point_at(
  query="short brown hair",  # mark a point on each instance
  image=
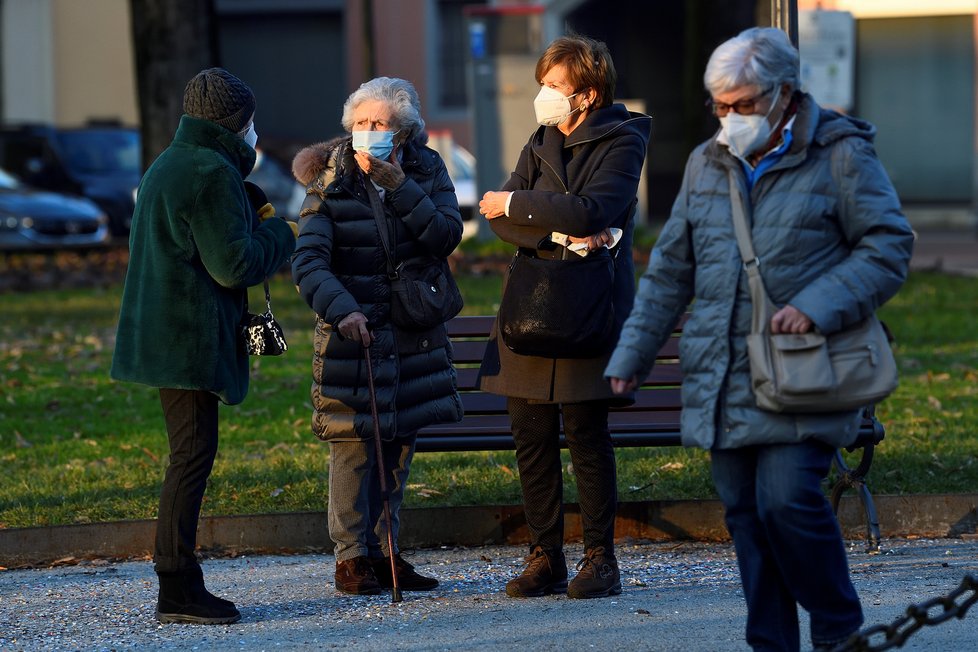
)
(588, 65)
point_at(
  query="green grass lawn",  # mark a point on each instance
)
(77, 447)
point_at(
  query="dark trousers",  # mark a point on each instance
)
(789, 546)
(191, 424)
(536, 432)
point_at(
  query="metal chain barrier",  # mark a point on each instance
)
(930, 612)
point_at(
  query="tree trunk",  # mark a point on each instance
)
(173, 40)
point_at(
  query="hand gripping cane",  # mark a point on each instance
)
(396, 589)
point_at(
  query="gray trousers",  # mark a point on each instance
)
(356, 508)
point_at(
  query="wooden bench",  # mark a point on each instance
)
(653, 420)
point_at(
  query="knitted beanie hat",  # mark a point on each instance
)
(217, 95)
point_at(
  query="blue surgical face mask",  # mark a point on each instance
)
(378, 144)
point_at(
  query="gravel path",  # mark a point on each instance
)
(677, 596)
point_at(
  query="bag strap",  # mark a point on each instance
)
(763, 308)
(268, 297)
(377, 206)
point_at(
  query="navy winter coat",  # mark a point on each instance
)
(340, 267)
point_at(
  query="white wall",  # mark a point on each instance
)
(67, 61)
(93, 61)
(26, 54)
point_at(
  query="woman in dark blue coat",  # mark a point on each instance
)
(340, 268)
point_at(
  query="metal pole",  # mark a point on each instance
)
(784, 16)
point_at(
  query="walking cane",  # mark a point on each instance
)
(396, 589)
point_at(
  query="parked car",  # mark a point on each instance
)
(100, 161)
(461, 168)
(283, 191)
(38, 220)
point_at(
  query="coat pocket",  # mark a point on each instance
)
(802, 362)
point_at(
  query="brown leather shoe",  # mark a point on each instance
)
(545, 573)
(597, 576)
(408, 579)
(356, 576)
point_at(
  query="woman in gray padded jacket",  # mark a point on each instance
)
(833, 246)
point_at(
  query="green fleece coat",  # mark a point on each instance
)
(195, 247)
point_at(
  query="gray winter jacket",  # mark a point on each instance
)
(832, 242)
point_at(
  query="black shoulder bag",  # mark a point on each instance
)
(559, 308)
(423, 291)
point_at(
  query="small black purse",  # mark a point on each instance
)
(423, 291)
(424, 294)
(262, 334)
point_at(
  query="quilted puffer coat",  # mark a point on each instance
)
(340, 267)
(832, 242)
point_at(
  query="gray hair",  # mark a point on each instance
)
(759, 56)
(402, 99)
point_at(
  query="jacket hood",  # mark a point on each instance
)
(614, 119)
(312, 161)
(833, 126)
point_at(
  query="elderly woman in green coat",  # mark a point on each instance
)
(196, 245)
(832, 246)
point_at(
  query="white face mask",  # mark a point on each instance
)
(552, 107)
(378, 144)
(745, 133)
(251, 136)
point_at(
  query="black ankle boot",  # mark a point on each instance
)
(184, 599)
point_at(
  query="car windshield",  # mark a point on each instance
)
(101, 151)
(464, 164)
(8, 182)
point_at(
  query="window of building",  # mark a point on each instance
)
(453, 41)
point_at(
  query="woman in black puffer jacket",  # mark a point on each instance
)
(340, 269)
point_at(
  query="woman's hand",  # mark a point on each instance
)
(386, 174)
(790, 320)
(595, 241)
(622, 386)
(493, 204)
(354, 327)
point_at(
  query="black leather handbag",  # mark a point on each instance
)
(559, 308)
(423, 291)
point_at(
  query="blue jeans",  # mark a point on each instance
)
(789, 546)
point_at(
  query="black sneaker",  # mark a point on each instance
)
(597, 576)
(408, 579)
(545, 573)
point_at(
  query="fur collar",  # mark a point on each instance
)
(315, 161)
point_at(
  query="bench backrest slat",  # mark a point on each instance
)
(653, 420)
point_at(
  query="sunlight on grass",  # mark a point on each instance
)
(77, 447)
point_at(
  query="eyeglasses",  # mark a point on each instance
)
(743, 107)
